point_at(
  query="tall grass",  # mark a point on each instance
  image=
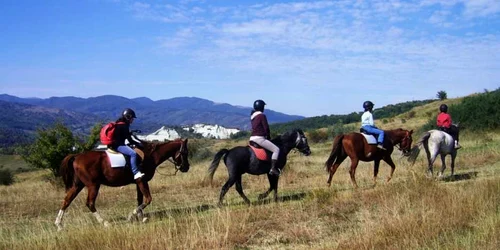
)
(410, 212)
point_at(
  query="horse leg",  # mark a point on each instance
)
(70, 196)
(140, 200)
(272, 180)
(239, 188)
(430, 159)
(352, 171)
(453, 156)
(376, 165)
(333, 169)
(389, 161)
(443, 166)
(229, 183)
(91, 197)
(143, 188)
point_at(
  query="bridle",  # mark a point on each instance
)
(300, 140)
(181, 153)
(400, 144)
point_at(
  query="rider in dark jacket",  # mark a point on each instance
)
(122, 133)
(262, 135)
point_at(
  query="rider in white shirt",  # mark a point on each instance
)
(368, 125)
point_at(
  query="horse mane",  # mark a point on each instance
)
(281, 140)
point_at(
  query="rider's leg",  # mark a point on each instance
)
(133, 160)
(379, 132)
(273, 148)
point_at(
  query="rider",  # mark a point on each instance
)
(368, 125)
(261, 133)
(444, 124)
(122, 132)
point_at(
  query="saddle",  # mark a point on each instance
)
(260, 152)
(117, 159)
(370, 138)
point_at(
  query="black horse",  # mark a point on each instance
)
(242, 159)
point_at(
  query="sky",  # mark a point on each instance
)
(305, 58)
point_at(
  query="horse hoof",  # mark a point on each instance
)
(145, 219)
(59, 228)
(106, 224)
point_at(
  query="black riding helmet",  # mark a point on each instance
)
(368, 105)
(128, 114)
(443, 108)
(259, 105)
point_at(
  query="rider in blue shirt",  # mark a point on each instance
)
(368, 125)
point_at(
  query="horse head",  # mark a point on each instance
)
(297, 139)
(177, 150)
(404, 140)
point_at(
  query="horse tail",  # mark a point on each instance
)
(336, 150)
(415, 150)
(67, 171)
(215, 164)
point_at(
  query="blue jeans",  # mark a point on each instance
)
(375, 130)
(126, 150)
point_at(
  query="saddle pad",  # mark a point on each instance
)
(370, 138)
(116, 159)
(260, 153)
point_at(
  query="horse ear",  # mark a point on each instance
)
(411, 131)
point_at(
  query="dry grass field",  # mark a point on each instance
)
(409, 212)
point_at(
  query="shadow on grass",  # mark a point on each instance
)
(171, 212)
(460, 177)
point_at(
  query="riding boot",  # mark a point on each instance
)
(457, 146)
(274, 171)
(380, 146)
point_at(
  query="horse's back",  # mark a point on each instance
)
(440, 141)
(90, 158)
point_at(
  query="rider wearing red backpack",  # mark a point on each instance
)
(122, 133)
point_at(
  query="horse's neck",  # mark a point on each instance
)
(159, 154)
(394, 136)
(284, 147)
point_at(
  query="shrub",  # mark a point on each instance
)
(55, 143)
(478, 112)
(317, 136)
(6, 176)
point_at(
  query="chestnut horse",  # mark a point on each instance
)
(356, 147)
(92, 169)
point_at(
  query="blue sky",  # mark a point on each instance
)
(302, 57)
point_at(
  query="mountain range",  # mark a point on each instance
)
(25, 115)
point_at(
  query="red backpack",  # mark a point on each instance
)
(107, 133)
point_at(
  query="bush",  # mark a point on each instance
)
(199, 149)
(411, 114)
(317, 136)
(53, 144)
(6, 176)
(478, 112)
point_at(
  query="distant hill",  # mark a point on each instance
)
(324, 121)
(21, 117)
(154, 114)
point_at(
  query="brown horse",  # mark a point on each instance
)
(93, 169)
(356, 147)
